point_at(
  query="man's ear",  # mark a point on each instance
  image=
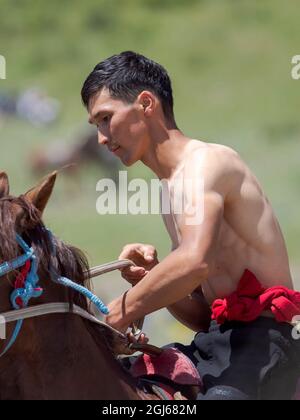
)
(40, 194)
(4, 185)
(147, 101)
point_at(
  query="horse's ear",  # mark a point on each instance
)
(4, 185)
(40, 194)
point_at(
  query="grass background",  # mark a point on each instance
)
(230, 63)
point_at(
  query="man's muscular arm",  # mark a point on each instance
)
(183, 270)
(178, 275)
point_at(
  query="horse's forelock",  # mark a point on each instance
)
(8, 244)
(16, 215)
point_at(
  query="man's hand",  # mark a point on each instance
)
(122, 346)
(145, 258)
(115, 319)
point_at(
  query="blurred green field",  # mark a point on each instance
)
(230, 63)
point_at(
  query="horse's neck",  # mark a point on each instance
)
(59, 359)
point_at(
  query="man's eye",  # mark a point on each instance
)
(104, 120)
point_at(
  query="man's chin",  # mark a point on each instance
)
(129, 161)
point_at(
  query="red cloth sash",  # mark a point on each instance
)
(251, 299)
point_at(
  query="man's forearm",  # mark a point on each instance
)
(178, 275)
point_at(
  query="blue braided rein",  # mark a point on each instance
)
(69, 283)
(84, 291)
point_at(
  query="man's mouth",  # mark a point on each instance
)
(114, 149)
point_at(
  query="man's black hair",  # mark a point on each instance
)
(127, 74)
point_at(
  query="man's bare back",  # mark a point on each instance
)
(249, 236)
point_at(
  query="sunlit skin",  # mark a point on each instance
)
(126, 129)
(139, 130)
(239, 230)
(120, 127)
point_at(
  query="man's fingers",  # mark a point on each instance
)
(139, 253)
(131, 251)
(143, 256)
(134, 278)
(134, 272)
(143, 339)
(149, 252)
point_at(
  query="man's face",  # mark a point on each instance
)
(121, 126)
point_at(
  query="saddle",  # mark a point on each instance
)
(170, 375)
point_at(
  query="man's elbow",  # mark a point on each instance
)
(197, 265)
(201, 269)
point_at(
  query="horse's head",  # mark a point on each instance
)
(21, 219)
(67, 357)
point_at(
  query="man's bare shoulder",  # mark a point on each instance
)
(250, 227)
(219, 165)
(215, 154)
(220, 155)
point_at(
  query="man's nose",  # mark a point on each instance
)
(102, 139)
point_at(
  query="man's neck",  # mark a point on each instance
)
(166, 151)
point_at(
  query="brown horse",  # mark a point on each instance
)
(58, 356)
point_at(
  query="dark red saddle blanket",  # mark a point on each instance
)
(171, 364)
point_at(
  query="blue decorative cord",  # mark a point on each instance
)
(69, 283)
(84, 291)
(18, 262)
(29, 290)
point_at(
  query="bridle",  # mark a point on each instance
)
(22, 295)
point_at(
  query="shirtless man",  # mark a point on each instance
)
(129, 99)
